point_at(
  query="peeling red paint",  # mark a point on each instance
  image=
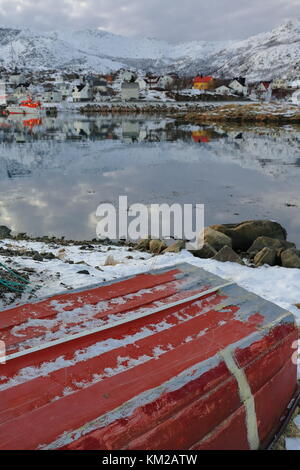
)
(156, 382)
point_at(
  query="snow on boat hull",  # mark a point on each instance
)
(171, 359)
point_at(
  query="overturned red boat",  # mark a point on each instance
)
(175, 358)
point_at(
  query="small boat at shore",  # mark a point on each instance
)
(26, 107)
(174, 358)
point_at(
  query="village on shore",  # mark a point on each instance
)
(53, 88)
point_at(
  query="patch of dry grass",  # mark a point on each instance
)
(253, 112)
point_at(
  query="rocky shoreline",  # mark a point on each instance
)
(253, 243)
(193, 112)
(140, 108)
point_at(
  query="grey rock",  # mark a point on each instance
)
(37, 257)
(207, 251)
(227, 254)
(84, 271)
(4, 232)
(143, 244)
(176, 247)
(49, 256)
(216, 239)
(267, 242)
(265, 256)
(157, 246)
(290, 258)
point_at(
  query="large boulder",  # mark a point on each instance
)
(267, 242)
(266, 256)
(216, 239)
(245, 233)
(227, 254)
(290, 258)
(4, 232)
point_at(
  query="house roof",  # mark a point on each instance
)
(132, 85)
(206, 79)
(80, 87)
(266, 84)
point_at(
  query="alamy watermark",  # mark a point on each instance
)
(156, 221)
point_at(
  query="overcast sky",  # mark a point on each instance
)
(174, 20)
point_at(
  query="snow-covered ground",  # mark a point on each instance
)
(277, 284)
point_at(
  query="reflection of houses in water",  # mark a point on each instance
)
(201, 136)
(96, 129)
(83, 128)
(205, 136)
(130, 131)
(142, 131)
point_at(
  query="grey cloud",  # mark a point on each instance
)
(173, 20)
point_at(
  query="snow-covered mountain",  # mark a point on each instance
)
(263, 56)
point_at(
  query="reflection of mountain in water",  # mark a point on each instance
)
(273, 152)
(102, 143)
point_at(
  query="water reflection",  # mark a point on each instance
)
(54, 172)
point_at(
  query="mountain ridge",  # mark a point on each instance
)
(264, 56)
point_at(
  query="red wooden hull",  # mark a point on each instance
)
(171, 359)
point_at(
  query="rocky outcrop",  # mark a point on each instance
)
(257, 242)
(244, 234)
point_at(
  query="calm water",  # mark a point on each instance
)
(55, 172)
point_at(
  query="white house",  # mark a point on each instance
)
(81, 93)
(223, 90)
(64, 89)
(238, 88)
(130, 91)
(264, 90)
(279, 83)
(142, 83)
(16, 78)
(21, 91)
(53, 96)
(165, 81)
(295, 83)
(296, 97)
(101, 96)
(264, 86)
(128, 76)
